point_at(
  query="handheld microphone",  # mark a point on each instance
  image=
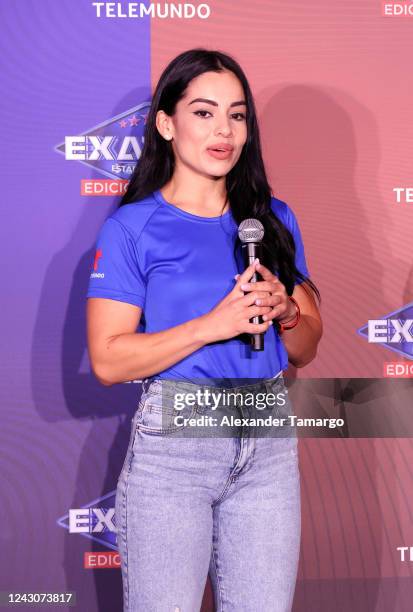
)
(251, 233)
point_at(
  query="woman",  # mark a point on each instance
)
(223, 502)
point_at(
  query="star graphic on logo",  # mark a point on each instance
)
(123, 124)
(134, 120)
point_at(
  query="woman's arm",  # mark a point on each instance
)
(119, 354)
(301, 341)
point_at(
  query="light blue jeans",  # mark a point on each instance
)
(191, 504)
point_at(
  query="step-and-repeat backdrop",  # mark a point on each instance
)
(333, 87)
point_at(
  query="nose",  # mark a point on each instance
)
(223, 127)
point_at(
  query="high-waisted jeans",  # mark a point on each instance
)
(189, 505)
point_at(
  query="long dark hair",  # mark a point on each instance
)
(248, 190)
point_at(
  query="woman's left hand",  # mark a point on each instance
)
(282, 308)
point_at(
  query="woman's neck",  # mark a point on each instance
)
(197, 203)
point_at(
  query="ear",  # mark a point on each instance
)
(164, 124)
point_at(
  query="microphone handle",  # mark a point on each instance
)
(252, 250)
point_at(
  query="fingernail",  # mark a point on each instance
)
(236, 276)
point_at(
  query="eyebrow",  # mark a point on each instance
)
(216, 103)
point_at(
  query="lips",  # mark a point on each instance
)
(221, 147)
(220, 154)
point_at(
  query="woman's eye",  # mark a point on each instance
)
(201, 111)
(240, 116)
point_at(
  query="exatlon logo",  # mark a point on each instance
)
(393, 331)
(96, 522)
(112, 148)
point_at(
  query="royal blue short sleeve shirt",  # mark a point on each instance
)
(177, 266)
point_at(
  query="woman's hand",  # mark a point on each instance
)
(281, 308)
(231, 316)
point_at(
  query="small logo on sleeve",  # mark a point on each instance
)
(95, 274)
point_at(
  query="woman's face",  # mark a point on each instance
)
(218, 120)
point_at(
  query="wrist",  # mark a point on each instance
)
(286, 324)
(203, 330)
(290, 314)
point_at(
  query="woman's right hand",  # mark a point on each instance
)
(231, 316)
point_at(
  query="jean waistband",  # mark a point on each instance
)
(169, 386)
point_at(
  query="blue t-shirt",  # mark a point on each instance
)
(177, 266)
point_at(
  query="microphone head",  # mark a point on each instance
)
(251, 230)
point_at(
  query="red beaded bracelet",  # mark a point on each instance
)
(294, 322)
